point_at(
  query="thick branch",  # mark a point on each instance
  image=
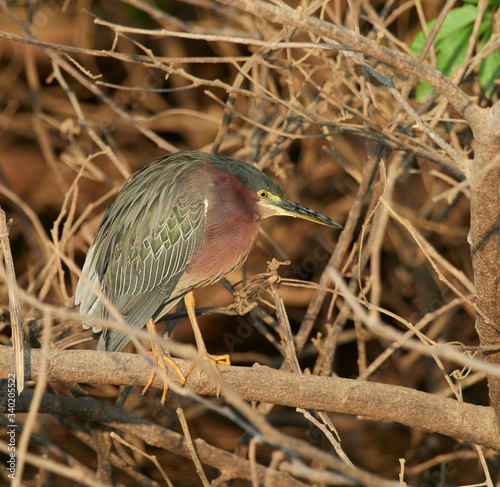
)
(89, 409)
(378, 401)
(484, 238)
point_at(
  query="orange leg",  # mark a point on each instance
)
(200, 344)
(161, 359)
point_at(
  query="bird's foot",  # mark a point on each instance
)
(162, 361)
(213, 360)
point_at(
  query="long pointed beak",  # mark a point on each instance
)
(290, 208)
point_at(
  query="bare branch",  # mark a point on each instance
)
(377, 401)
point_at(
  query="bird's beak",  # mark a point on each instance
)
(290, 208)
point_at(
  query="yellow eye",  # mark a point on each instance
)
(263, 194)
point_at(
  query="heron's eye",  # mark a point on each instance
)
(263, 194)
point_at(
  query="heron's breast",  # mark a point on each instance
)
(230, 228)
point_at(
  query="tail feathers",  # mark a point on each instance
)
(136, 311)
(86, 295)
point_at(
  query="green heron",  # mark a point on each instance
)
(182, 222)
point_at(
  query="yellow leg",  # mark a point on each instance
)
(200, 344)
(161, 359)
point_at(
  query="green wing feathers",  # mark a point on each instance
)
(144, 243)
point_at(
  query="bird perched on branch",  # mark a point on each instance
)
(183, 221)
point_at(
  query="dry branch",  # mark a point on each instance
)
(373, 400)
(299, 19)
(230, 465)
(92, 410)
(9, 276)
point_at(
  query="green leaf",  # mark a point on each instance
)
(489, 71)
(424, 91)
(451, 51)
(457, 20)
(491, 3)
(419, 41)
(451, 45)
(455, 30)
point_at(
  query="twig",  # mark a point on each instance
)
(190, 445)
(288, 343)
(335, 443)
(60, 62)
(34, 406)
(86, 477)
(252, 457)
(456, 97)
(345, 239)
(16, 318)
(298, 469)
(252, 41)
(461, 161)
(152, 458)
(420, 325)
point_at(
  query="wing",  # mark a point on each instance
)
(144, 243)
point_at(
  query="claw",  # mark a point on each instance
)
(213, 360)
(162, 362)
(161, 359)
